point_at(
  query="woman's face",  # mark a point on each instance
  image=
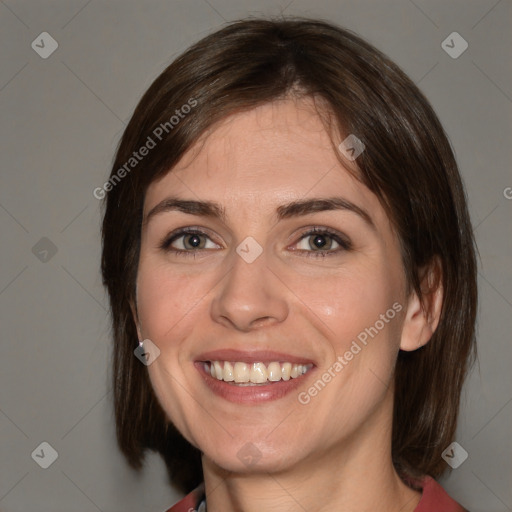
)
(285, 260)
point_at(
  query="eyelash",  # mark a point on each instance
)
(344, 243)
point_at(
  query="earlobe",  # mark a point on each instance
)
(423, 314)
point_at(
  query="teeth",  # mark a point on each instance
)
(274, 372)
(227, 373)
(254, 373)
(241, 373)
(258, 373)
(218, 368)
(286, 369)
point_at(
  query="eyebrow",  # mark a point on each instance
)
(293, 209)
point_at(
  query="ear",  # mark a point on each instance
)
(423, 313)
(133, 307)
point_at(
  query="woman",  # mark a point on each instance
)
(288, 253)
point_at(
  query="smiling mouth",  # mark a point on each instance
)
(251, 374)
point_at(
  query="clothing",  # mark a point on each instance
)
(434, 499)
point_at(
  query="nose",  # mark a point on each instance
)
(250, 296)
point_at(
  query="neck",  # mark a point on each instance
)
(356, 474)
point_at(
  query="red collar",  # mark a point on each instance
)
(435, 499)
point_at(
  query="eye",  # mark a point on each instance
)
(188, 241)
(317, 242)
(322, 242)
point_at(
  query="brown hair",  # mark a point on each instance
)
(407, 163)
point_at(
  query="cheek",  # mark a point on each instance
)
(361, 315)
(167, 304)
(165, 298)
(349, 304)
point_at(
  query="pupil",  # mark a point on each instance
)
(319, 241)
(194, 241)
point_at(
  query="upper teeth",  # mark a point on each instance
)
(256, 373)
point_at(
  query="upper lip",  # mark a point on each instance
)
(252, 356)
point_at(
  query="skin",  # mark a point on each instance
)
(333, 453)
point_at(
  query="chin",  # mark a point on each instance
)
(246, 457)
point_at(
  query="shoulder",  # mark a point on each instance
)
(190, 502)
(435, 499)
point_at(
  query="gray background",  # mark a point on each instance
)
(61, 119)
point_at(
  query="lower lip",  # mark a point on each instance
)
(250, 394)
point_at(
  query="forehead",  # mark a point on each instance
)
(261, 158)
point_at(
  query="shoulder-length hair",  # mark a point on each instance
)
(408, 163)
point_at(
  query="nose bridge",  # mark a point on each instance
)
(249, 294)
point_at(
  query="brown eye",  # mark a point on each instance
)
(188, 240)
(193, 241)
(322, 242)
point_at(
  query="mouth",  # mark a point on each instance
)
(255, 374)
(252, 377)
